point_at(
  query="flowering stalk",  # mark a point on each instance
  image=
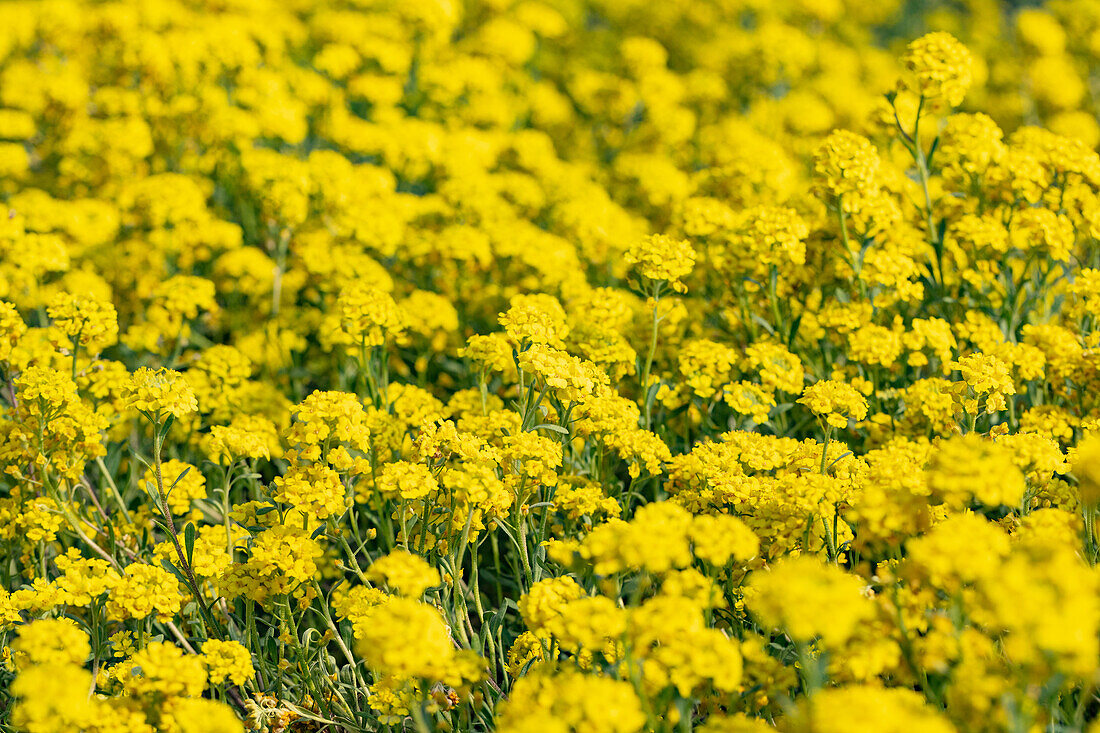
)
(160, 430)
(647, 392)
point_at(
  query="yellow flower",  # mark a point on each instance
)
(163, 670)
(572, 379)
(973, 468)
(406, 638)
(12, 329)
(656, 539)
(369, 316)
(84, 320)
(315, 490)
(406, 481)
(144, 590)
(535, 319)
(159, 393)
(200, 715)
(331, 420)
(51, 642)
(1086, 469)
(662, 258)
(571, 701)
(546, 599)
(717, 539)
(53, 697)
(404, 572)
(530, 457)
(940, 68)
(985, 376)
(837, 402)
(845, 165)
(808, 599)
(227, 661)
(866, 709)
(245, 437)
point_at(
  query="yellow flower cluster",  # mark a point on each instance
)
(160, 393)
(794, 594)
(941, 68)
(227, 661)
(404, 572)
(661, 258)
(369, 316)
(161, 685)
(582, 367)
(837, 402)
(84, 321)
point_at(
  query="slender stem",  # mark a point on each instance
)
(162, 504)
(460, 549)
(923, 173)
(335, 532)
(74, 522)
(114, 488)
(812, 677)
(830, 540)
(421, 722)
(76, 352)
(650, 354)
(225, 512)
(280, 264)
(773, 296)
(855, 257)
(336, 633)
(521, 530)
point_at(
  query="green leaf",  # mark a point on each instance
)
(551, 426)
(794, 329)
(189, 541)
(764, 324)
(179, 478)
(173, 570)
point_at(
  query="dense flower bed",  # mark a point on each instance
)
(549, 366)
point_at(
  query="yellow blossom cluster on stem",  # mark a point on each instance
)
(551, 366)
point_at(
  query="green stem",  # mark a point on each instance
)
(225, 512)
(162, 504)
(648, 403)
(114, 488)
(773, 297)
(923, 173)
(857, 264)
(76, 352)
(419, 719)
(521, 530)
